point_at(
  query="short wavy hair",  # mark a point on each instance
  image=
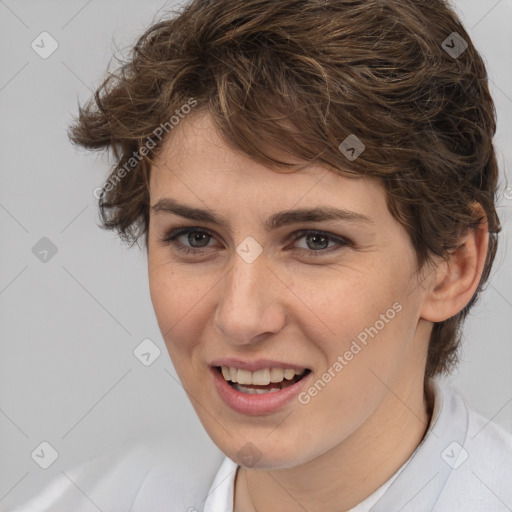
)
(301, 76)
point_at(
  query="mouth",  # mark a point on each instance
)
(267, 380)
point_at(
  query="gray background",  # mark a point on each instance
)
(69, 325)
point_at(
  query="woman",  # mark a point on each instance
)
(314, 182)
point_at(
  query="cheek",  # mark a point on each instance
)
(181, 308)
(338, 308)
(160, 285)
(170, 300)
(366, 319)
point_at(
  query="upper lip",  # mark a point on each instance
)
(254, 366)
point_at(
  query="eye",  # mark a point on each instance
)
(198, 239)
(318, 242)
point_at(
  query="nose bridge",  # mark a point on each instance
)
(247, 305)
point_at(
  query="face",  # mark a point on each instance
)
(326, 304)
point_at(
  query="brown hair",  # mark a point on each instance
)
(301, 76)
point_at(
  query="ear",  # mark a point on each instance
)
(457, 278)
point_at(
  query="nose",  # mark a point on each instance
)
(249, 306)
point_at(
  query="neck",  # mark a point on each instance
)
(348, 473)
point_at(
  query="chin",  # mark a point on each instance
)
(259, 451)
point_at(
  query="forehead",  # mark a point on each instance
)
(197, 165)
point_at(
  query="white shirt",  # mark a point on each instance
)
(464, 463)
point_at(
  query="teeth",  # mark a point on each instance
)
(260, 377)
(244, 377)
(254, 391)
(289, 374)
(276, 375)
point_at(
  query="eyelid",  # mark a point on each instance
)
(303, 232)
(176, 232)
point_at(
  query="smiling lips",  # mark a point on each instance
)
(266, 380)
(259, 387)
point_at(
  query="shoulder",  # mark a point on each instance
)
(481, 468)
(149, 475)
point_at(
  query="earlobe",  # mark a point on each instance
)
(456, 279)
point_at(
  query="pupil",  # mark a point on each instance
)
(198, 237)
(315, 239)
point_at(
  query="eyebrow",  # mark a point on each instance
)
(275, 221)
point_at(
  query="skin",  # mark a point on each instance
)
(303, 307)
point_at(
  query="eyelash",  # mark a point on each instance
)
(170, 239)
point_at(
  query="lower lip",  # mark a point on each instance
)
(254, 405)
